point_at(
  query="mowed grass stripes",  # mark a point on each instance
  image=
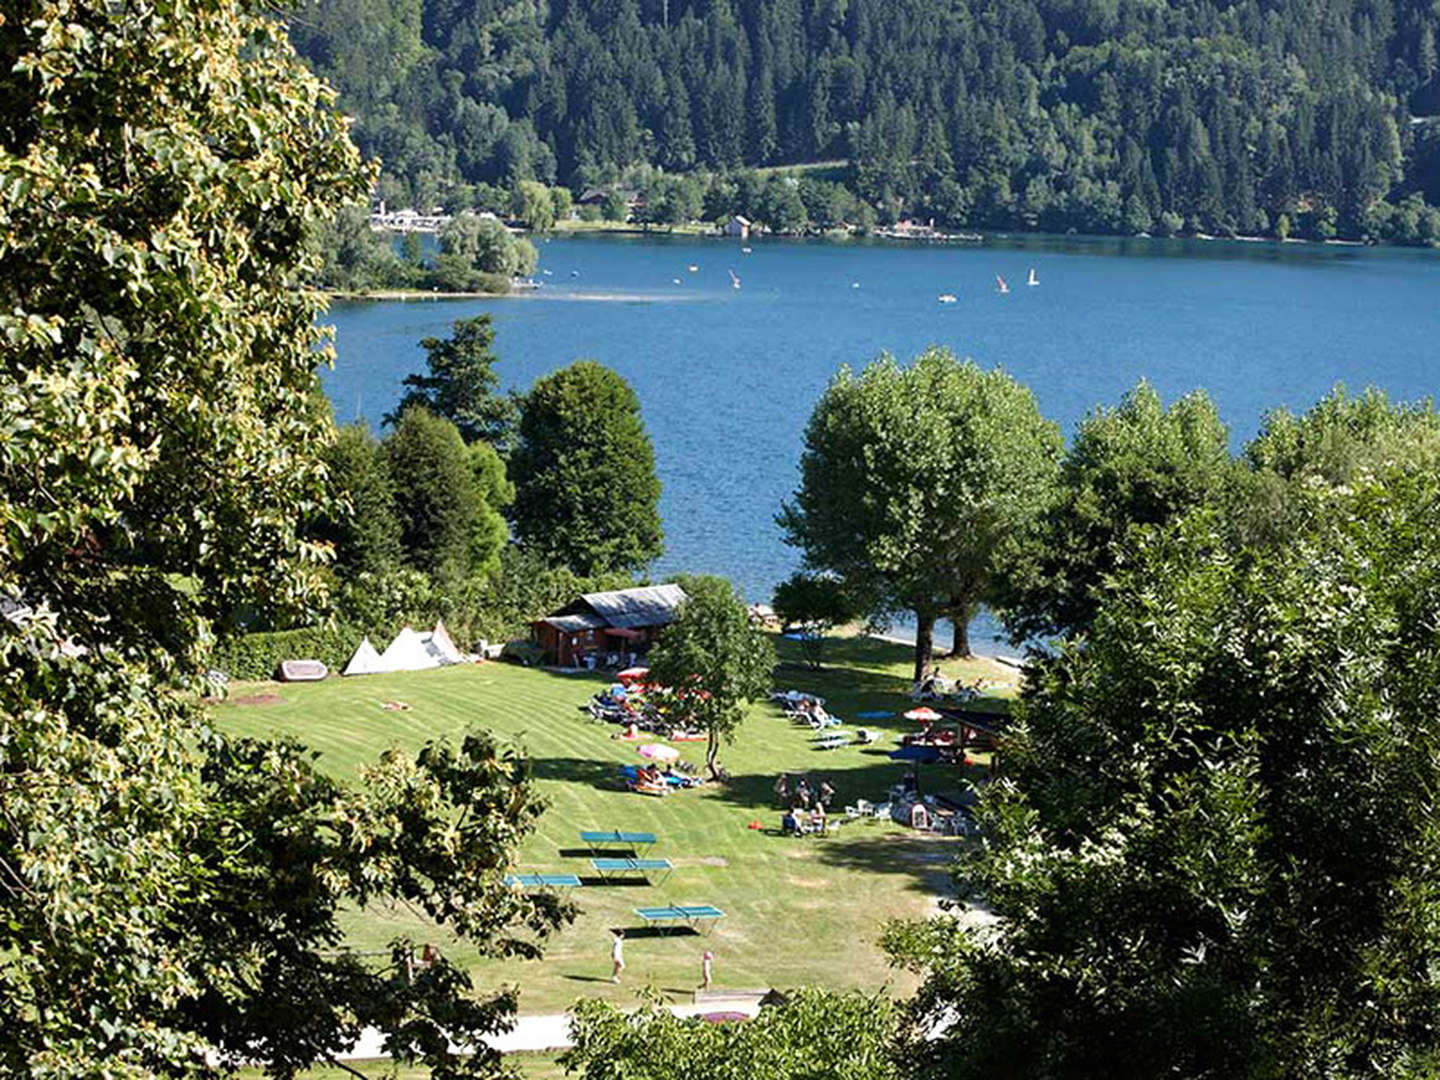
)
(797, 911)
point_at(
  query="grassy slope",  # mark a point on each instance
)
(798, 911)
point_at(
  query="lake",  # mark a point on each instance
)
(727, 377)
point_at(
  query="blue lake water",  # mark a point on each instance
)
(727, 377)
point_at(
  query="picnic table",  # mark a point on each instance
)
(692, 915)
(543, 881)
(599, 839)
(621, 867)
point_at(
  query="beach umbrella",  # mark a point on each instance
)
(916, 753)
(658, 752)
(924, 714)
(633, 674)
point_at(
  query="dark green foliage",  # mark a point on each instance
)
(1136, 465)
(913, 479)
(811, 1034)
(292, 845)
(256, 656)
(586, 494)
(365, 531)
(436, 497)
(713, 662)
(461, 386)
(1025, 114)
(355, 257)
(486, 246)
(1213, 851)
(170, 898)
(816, 604)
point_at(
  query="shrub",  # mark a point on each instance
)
(256, 656)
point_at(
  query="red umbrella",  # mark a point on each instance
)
(924, 714)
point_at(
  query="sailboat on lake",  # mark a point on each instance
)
(734, 280)
(1000, 285)
(1033, 280)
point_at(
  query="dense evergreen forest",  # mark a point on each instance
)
(1261, 116)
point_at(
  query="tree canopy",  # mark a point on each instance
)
(911, 479)
(436, 495)
(1217, 118)
(484, 244)
(462, 385)
(1135, 465)
(362, 525)
(712, 661)
(1210, 850)
(586, 493)
(811, 1033)
(170, 896)
(817, 604)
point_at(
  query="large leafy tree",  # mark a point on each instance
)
(586, 493)
(1340, 438)
(462, 386)
(1136, 465)
(817, 604)
(812, 1033)
(911, 480)
(168, 897)
(1212, 851)
(714, 662)
(486, 245)
(362, 526)
(437, 497)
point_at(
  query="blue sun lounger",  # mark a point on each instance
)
(543, 881)
(644, 867)
(692, 915)
(597, 840)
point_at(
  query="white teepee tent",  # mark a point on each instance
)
(408, 652)
(366, 660)
(442, 646)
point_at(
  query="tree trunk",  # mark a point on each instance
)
(712, 749)
(960, 646)
(924, 644)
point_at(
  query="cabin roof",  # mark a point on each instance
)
(648, 605)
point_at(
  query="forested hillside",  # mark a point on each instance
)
(1128, 116)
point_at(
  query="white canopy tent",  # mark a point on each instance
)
(366, 660)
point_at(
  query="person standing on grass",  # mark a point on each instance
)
(617, 955)
(705, 958)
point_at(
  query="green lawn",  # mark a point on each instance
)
(798, 911)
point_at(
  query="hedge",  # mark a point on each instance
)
(256, 656)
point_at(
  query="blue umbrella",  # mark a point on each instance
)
(916, 753)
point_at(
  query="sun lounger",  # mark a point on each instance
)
(543, 881)
(692, 915)
(608, 868)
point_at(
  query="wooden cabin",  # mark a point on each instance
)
(615, 628)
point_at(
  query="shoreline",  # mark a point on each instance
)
(893, 639)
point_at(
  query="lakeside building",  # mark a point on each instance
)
(614, 627)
